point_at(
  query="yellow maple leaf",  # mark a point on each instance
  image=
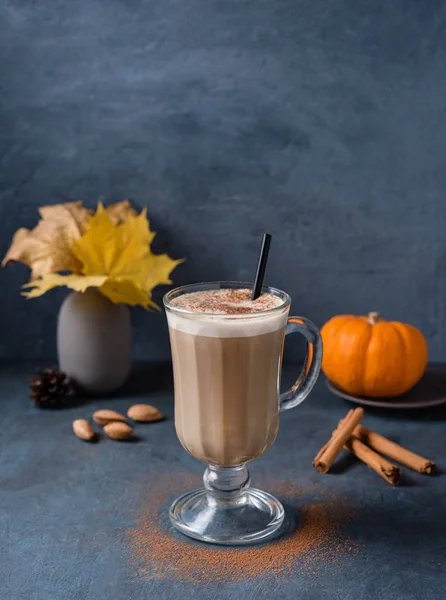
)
(119, 251)
(161, 266)
(116, 259)
(48, 248)
(125, 291)
(79, 283)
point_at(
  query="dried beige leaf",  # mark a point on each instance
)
(104, 416)
(72, 217)
(45, 249)
(119, 212)
(17, 251)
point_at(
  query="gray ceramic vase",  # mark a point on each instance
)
(94, 341)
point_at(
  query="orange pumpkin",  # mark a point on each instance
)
(367, 356)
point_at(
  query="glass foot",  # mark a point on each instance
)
(244, 518)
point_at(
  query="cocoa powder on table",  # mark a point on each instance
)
(157, 551)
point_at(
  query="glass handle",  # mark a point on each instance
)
(312, 365)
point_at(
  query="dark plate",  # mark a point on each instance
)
(430, 391)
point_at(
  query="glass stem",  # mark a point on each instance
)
(226, 483)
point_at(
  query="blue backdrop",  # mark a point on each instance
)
(320, 122)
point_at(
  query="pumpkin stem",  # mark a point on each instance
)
(373, 318)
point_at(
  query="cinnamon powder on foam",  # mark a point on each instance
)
(227, 301)
(157, 551)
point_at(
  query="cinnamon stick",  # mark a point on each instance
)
(394, 451)
(327, 455)
(391, 473)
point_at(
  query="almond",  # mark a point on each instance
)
(104, 416)
(83, 430)
(144, 413)
(118, 430)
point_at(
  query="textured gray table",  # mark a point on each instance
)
(67, 507)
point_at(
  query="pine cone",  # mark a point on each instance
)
(50, 388)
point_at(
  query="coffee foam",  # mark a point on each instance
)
(216, 307)
(210, 326)
(227, 301)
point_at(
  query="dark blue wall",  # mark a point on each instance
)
(322, 122)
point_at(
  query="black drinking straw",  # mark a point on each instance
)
(261, 266)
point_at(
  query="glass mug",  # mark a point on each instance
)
(227, 401)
